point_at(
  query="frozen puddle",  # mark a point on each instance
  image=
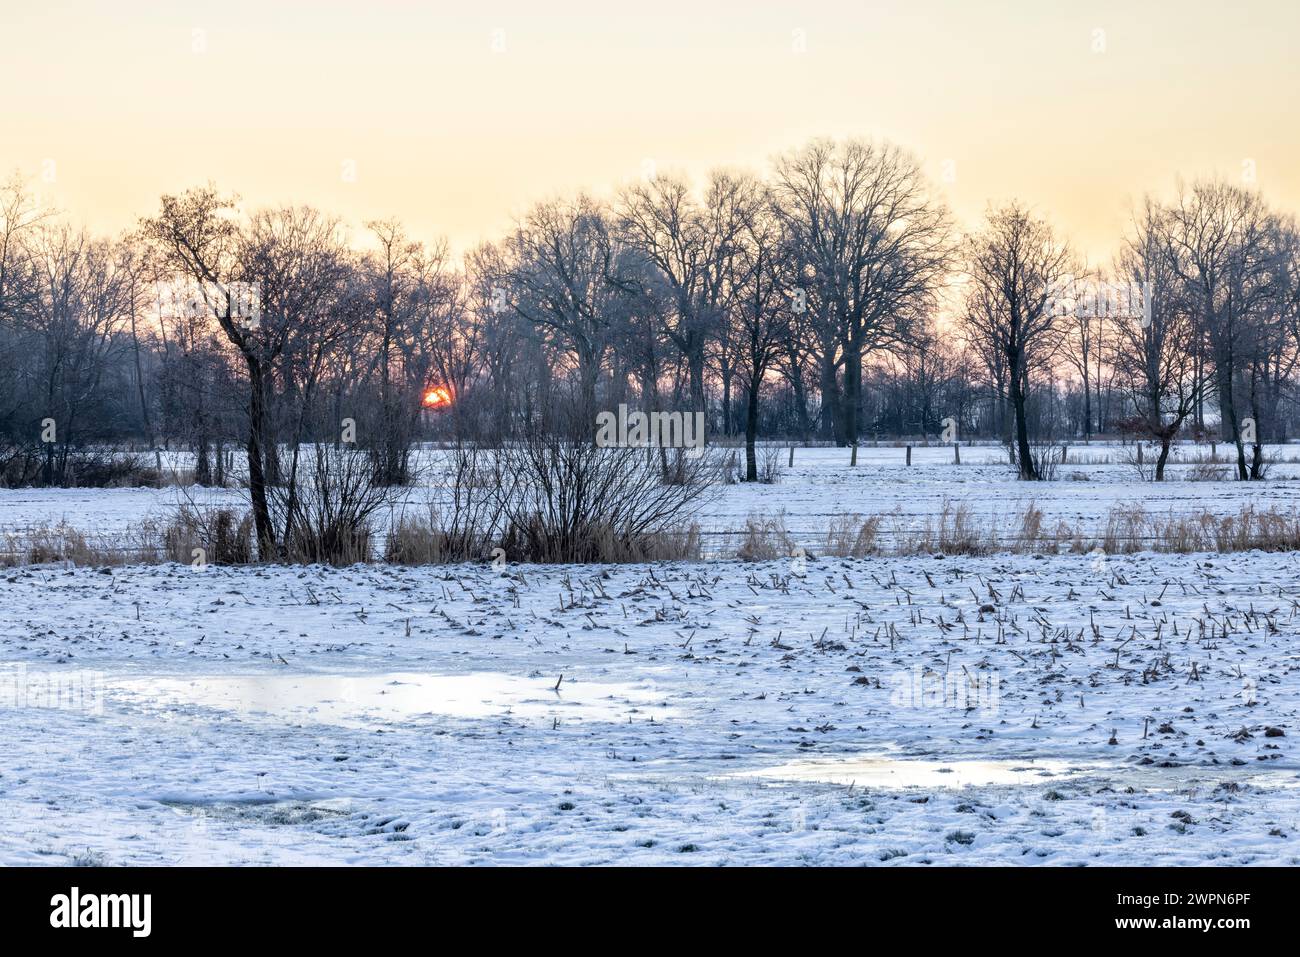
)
(887, 772)
(367, 700)
(891, 772)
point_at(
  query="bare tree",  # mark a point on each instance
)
(1157, 334)
(1013, 265)
(501, 340)
(564, 280)
(296, 259)
(19, 213)
(454, 343)
(1081, 347)
(76, 307)
(761, 314)
(694, 245)
(410, 289)
(871, 245)
(197, 234)
(1220, 238)
(805, 305)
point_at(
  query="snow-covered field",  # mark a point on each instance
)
(710, 713)
(820, 486)
(896, 711)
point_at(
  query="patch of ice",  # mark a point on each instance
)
(888, 772)
(366, 700)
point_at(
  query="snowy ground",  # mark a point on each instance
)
(864, 711)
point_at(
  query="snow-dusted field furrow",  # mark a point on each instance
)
(896, 711)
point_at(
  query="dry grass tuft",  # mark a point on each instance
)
(764, 540)
(852, 536)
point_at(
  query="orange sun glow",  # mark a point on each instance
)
(437, 397)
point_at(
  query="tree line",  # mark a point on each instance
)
(832, 299)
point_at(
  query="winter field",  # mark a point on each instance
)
(1046, 709)
(1094, 480)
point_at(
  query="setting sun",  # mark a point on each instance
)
(437, 397)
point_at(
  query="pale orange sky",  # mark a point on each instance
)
(121, 101)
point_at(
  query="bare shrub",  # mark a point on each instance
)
(421, 540)
(95, 468)
(681, 542)
(852, 536)
(1142, 465)
(225, 536)
(769, 464)
(1265, 463)
(1046, 459)
(569, 501)
(1275, 531)
(20, 464)
(954, 531)
(1071, 538)
(1199, 456)
(1030, 532)
(1232, 533)
(1127, 529)
(1247, 529)
(764, 540)
(685, 467)
(24, 465)
(1207, 472)
(730, 469)
(327, 510)
(61, 542)
(1183, 533)
(534, 540)
(561, 500)
(462, 525)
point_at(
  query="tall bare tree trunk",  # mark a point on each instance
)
(1028, 470)
(266, 545)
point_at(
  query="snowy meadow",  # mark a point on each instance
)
(1060, 704)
